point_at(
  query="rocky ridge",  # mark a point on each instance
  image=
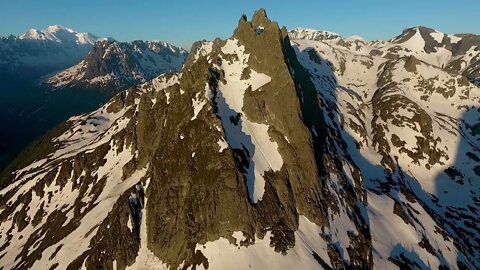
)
(116, 65)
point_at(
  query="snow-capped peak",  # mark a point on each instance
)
(58, 33)
(354, 38)
(34, 34)
(158, 45)
(419, 30)
(56, 28)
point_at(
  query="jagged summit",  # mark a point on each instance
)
(260, 17)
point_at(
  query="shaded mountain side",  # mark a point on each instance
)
(30, 108)
(440, 224)
(29, 111)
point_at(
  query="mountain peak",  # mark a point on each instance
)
(56, 28)
(419, 28)
(61, 34)
(354, 38)
(424, 30)
(260, 17)
(260, 13)
(32, 34)
(260, 23)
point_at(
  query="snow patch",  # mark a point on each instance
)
(198, 103)
(263, 152)
(223, 255)
(223, 145)
(437, 36)
(129, 223)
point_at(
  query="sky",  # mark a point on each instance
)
(183, 22)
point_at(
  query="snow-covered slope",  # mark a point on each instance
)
(454, 53)
(458, 53)
(116, 65)
(411, 127)
(44, 51)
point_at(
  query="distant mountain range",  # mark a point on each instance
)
(39, 52)
(34, 65)
(458, 53)
(85, 60)
(116, 65)
(60, 34)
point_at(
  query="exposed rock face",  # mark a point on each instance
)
(259, 153)
(115, 65)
